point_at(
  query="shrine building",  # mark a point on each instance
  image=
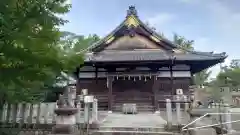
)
(134, 64)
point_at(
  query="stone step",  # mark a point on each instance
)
(137, 103)
(137, 99)
(139, 108)
(120, 128)
(129, 130)
(100, 132)
(133, 102)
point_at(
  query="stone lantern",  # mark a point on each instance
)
(65, 111)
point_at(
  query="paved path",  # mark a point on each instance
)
(129, 120)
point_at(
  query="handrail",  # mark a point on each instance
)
(184, 127)
(212, 125)
(194, 121)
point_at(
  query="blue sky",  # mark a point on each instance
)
(214, 25)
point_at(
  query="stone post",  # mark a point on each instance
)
(169, 113)
(186, 104)
(87, 101)
(178, 110)
(95, 110)
(228, 118)
(78, 105)
(71, 94)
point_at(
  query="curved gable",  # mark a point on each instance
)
(130, 43)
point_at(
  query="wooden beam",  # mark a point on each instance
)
(110, 96)
(154, 90)
(172, 79)
(96, 74)
(138, 71)
(192, 79)
(77, 73)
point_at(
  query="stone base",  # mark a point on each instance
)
(232, 131)
(64, 134)
(157, 112)
(63, 129)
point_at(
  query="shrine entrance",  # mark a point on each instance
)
(134, 91)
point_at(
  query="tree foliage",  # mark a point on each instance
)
(183, 42)
(74, 43)
(229, 75)
(30, 52)
(70, 44)
(188, 45)
(201, 78)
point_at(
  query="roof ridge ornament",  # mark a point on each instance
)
(131, 11)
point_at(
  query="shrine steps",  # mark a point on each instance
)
(134, 130)
(131, 132)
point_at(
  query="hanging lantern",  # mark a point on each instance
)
(117, 77)
(139, 77)
(145, 78)
(129, 78)
(134, 79)
(123, 77)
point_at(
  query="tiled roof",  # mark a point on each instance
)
(131, 12)
(151, 55)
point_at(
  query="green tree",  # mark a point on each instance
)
(183, 42)
(200, 78)
(230, 75)
(30, 54)
(70, 44)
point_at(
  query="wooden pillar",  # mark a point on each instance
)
(78, 86)
(154, 90)
(110, 96)
(96, 75)
(172, 58)
(192, 79)
(172, 79)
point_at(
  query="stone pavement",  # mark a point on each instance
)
(130, 120)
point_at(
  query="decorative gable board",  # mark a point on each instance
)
(130, 43)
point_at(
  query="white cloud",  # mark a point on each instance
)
(205, 44)
(161, 19)
(226, 19)
(201, 43)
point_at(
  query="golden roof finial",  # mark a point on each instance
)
(131, 17)
(131, 11)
